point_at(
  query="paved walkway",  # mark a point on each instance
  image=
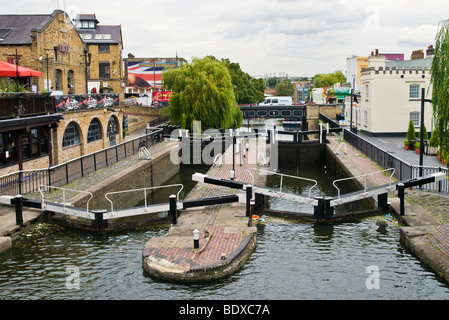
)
(425, 229)
(226, 239)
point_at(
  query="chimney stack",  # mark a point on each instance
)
(430, 51)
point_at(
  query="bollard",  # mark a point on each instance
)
(18, 202)
(173, 209)
(196, 239)
(249, 195)
(232, 174)
(401, 193)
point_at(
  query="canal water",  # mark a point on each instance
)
(293, 260)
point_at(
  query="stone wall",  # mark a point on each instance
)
(60, 33)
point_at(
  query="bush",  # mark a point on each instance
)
(434, 140)
(411, 133)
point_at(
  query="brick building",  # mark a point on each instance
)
(49, 44)
(105, 46)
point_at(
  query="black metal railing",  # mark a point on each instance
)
(384, 159)
(28, 181)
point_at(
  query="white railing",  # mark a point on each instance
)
(282, 175)
(144, 193)
(64, 195)
(364, 177)
(144, 151)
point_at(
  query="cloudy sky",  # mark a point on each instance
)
(294, 37)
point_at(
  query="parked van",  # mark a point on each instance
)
(277, 101)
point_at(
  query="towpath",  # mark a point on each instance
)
(425, 225)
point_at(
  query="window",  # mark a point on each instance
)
(366, 118)
(58, 79)
(87, 36)
(94, 132)
(105, 69)
(7, 148)
(107, 36)
(366, 92)
(112, 126)
(70, 81)
(103, 48)
(414, 92)
(414, 116)
(71, 136)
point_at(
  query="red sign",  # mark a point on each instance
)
(162, 96)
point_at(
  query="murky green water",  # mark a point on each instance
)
(292, 261)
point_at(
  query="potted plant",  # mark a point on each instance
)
(434, 142)
(411, 135)
(406, 144)
(417, 147)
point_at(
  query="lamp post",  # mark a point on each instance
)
(352, 96)
(421, 132)
(87, 57)
(234, 139)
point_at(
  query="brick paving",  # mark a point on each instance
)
(224, 236)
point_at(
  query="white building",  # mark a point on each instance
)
(391, 96)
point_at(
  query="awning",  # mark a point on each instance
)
(12, 70)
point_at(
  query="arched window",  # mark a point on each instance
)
(112, 126)
(113, 129)
(94, 132)
(71, 136)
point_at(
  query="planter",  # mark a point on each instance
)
(431, 150)
(412, 144)
(417, 150)
(406, 146)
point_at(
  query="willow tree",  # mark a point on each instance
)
(202, 91)
(440, 85)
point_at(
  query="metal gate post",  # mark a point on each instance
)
(249, 195)
(173, 209)
(382, 201)
(18, 202)
(99, 222)
(401, 193)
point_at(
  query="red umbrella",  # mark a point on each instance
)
(11, 70)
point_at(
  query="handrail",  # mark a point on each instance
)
(144, 150)
(218, 157)
(63, 195)
(144, 192)
(285, 175)
(363, 176)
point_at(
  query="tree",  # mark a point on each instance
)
(328, 79)
(202, 91)
(246, 88)
(440, 85)
(285, 88)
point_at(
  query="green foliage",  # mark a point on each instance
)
(411, 133)
(325, 80)
(425, 133)
(246, 88)
(11, 86)
(440, 85)
(285, 88)
(202, 91)
(434, 140)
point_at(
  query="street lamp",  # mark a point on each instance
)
(234, 139)
(421, 141)
(87, 58)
